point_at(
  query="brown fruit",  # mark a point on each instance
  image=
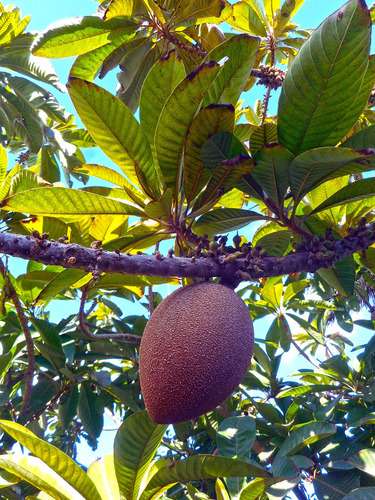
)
(195, 350)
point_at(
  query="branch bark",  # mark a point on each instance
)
(245, 268)
(29, 343)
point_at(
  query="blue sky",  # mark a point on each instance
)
(44, 12)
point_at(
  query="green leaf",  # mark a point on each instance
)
(116, 132)
(271, 171)
(79, 35)
(293, 288)
(223, 179)
(235, 437)
(341, 276)
(58, 461)
(106, 174)
(91, 419)
(367, 493)
(60, 201)
(16, 56)
(272, 292)
(102, 472)
(303, 436)
(59, 283)
(305, 389)
(135, 65)
(199, 467)
(68, 405)
(175, 120)
(245, 18)
(136, 443)
(335, 485)
(210, 120)
(263, 135)
(220, 490)
(228, 86)
(220, 147)
(89, 64)
(254, 489)
(312, 168)
(275, 243)
(364, 460)
(324, 81)
(192, 11)
(359, 190)
(225, 220)
(37, 473)
(3, 164)
(361, 140)
(159, 84)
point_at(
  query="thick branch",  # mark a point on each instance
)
(241, 269)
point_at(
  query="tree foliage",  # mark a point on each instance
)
(191, 166)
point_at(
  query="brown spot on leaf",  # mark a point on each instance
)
(208, 64)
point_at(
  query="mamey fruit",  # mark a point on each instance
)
(195, 350)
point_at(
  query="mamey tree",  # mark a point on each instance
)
(296, 189)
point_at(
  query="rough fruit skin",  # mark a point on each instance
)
(195, 350)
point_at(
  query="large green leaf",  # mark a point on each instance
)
(361, 140)
(116, 132)
(367, 493)
(194, 10)
(263, 135)
(60, 201)
(312, 168)
(25, 121)
(336, 484)
(341, 276)
(254, 489)
(228, 86)
(235, 437)
(220, 147)
(79, 35)
(136, 443)
(212, 119)
(356, 191)
(245, 18)
(88, 64)
(223, 179)
(306, 434)
(3, 164)
(68, 405)
(271, 171)
(88, 411)
(225, 220)
(275, 243)
(175, 120)
(159, 84)
(16, 56)
(317, 105)
(135, 65)
(200, 467)
(364, 460)
(58, 461)
(102, 472)
(37, 473)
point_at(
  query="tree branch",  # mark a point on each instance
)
(252, 266)
(29, 342)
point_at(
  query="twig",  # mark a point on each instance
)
(28, 338)
(364, 299)
(132, 338)
(290, 337)
(120, 337)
